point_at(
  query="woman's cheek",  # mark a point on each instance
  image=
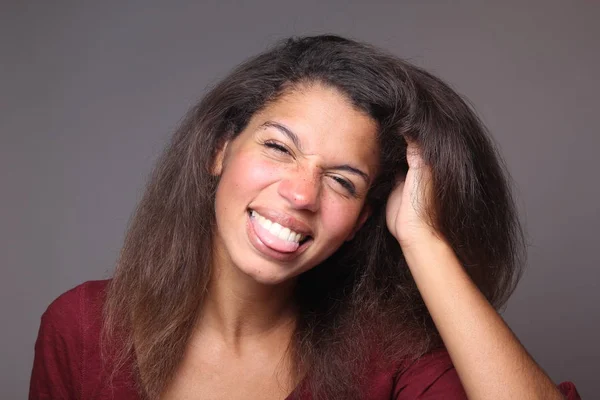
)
(246, 166)
(340, 218)
(262, 171)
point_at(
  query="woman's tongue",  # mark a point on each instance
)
(272, 241)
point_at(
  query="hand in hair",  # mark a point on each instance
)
(489, 359)
(409, 218)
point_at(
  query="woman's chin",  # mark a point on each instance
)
(268, 276)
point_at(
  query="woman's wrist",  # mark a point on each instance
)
(427, 247)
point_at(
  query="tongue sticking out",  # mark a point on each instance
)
(272, 241)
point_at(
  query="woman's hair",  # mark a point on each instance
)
(361, 304)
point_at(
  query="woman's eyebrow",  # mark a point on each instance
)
(286, 131)
(353, 170)
(294, 138)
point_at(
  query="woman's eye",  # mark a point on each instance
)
(345, 184)
(277, 147)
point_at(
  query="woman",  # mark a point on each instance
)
(274, 256)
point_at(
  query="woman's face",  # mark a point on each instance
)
(293, 184)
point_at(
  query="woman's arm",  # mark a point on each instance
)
(490, 361)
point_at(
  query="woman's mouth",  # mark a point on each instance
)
(276, 237)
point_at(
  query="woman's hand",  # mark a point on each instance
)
(408, 213)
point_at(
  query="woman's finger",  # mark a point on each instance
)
(413, 155)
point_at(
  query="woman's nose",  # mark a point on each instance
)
(301, 192)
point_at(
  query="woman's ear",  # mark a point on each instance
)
(219, 159)
(362, 218)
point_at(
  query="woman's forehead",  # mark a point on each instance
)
(321, 109)
(320, 119)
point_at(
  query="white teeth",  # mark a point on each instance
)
(284, 234)
(276, 229)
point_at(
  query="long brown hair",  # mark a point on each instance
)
(362, 301)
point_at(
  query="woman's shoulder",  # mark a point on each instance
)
(86, 291)
(67, 352)
(83, 302)
(430, 375)
(75, 316)
(433, 376)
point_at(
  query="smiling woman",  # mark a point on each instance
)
(301, 169)
(329, 222)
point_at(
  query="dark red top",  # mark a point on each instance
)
(68, 364)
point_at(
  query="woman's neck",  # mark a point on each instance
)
(243, 326)
(239, 308)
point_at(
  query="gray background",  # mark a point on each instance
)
(90, 92)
